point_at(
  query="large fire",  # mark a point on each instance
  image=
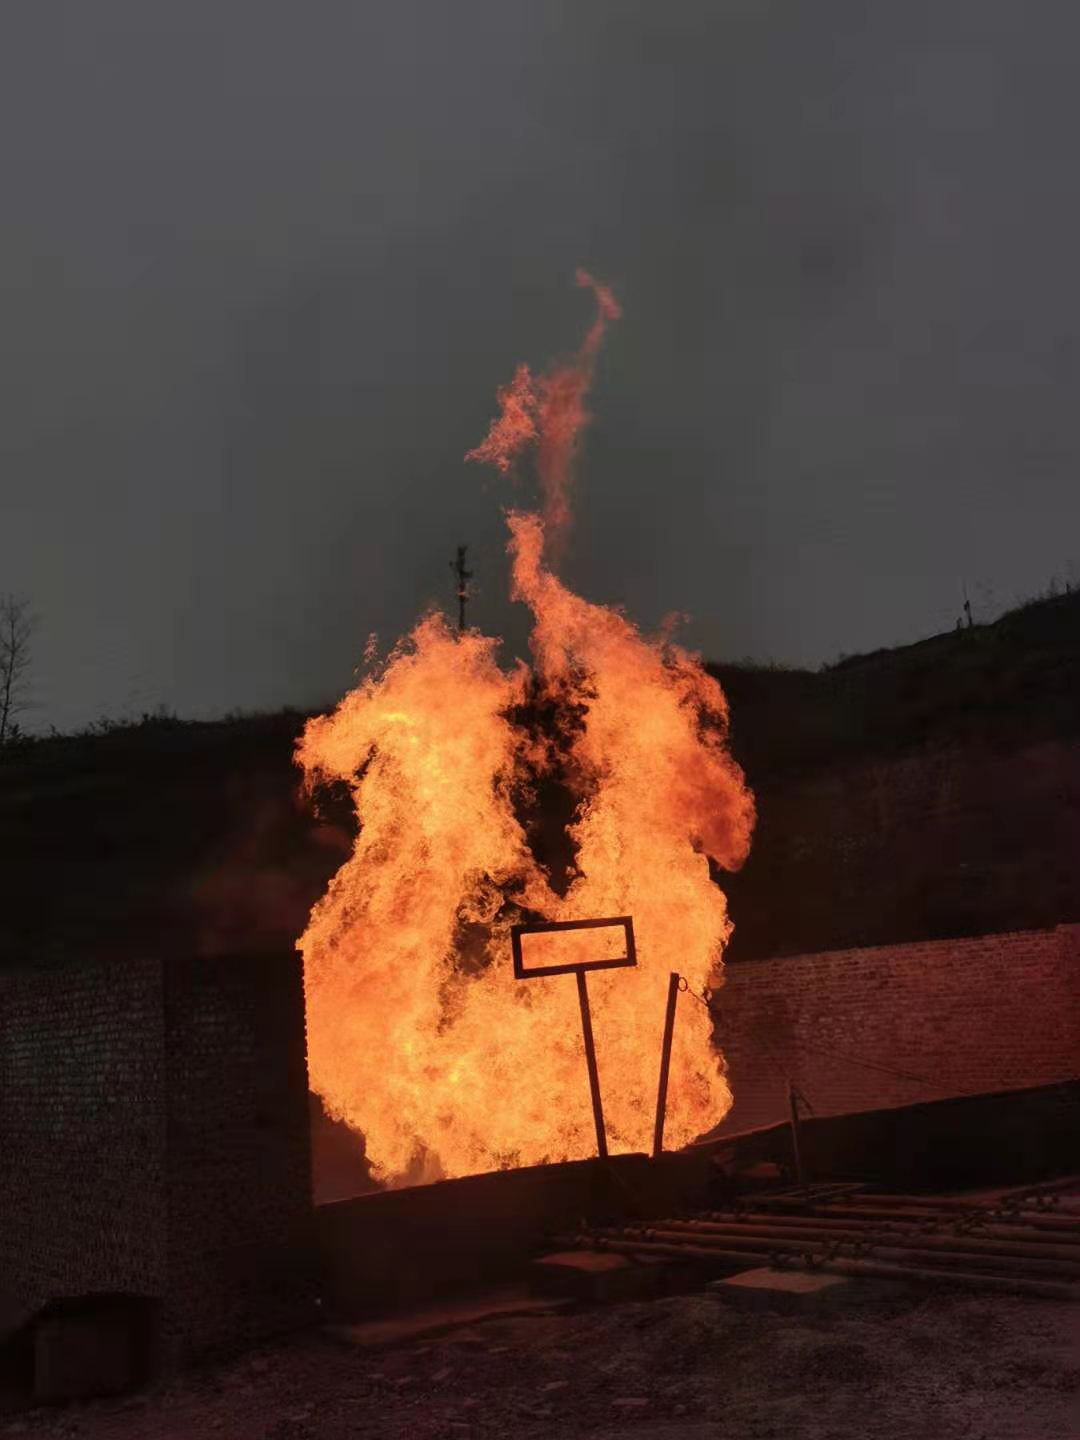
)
(595, 782)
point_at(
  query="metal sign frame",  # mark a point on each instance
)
(540, 972)
(544, 927)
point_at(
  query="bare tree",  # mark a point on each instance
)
(16, 630)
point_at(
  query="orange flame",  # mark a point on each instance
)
(418, 1034)
(549, 411)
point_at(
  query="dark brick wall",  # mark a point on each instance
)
(957, 1017)
(239, 1168)
(154, 1142)
(82, 1124)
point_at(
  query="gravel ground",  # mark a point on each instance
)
(926, 1367)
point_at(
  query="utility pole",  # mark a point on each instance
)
(463, 577)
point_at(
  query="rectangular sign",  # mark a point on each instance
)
(570, 947)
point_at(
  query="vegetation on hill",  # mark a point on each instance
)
(163, 834)
(1010, 682)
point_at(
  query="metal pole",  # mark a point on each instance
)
(463, 576)
(665, 1065)
(590, 1059)
(794, 1103)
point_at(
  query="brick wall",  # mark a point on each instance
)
(82, 1122)
(239, 1170)
(154, 1142)
(958, 1017)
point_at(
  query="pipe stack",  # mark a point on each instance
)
(1026, 1243)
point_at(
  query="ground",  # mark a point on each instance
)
(923, 1367)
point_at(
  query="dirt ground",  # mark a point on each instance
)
(684, 1368)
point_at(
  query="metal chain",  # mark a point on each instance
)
(705, 998)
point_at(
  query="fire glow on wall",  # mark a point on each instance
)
(418, 1035)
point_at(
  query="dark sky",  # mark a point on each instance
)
(262, 266)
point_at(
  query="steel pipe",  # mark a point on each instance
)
(888, 1235)
(888, 1250)
(739, 1259)
(1032, 1220)
(878, 1269)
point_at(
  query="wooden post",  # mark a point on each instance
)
(590, 1060)
(665, 1065)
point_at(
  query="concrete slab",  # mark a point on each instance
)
(600, 1275)
(412, 1245)
(790, 1291)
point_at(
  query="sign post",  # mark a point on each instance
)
(579, 968)
(665, 1065)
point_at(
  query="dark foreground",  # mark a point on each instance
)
(920, 1367)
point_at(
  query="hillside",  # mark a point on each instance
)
(1005, 684)
(931, 790)
(925, 792)
(164, 835)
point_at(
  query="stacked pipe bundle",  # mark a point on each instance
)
(1026, 1242)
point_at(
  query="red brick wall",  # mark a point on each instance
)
(957, 1017)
